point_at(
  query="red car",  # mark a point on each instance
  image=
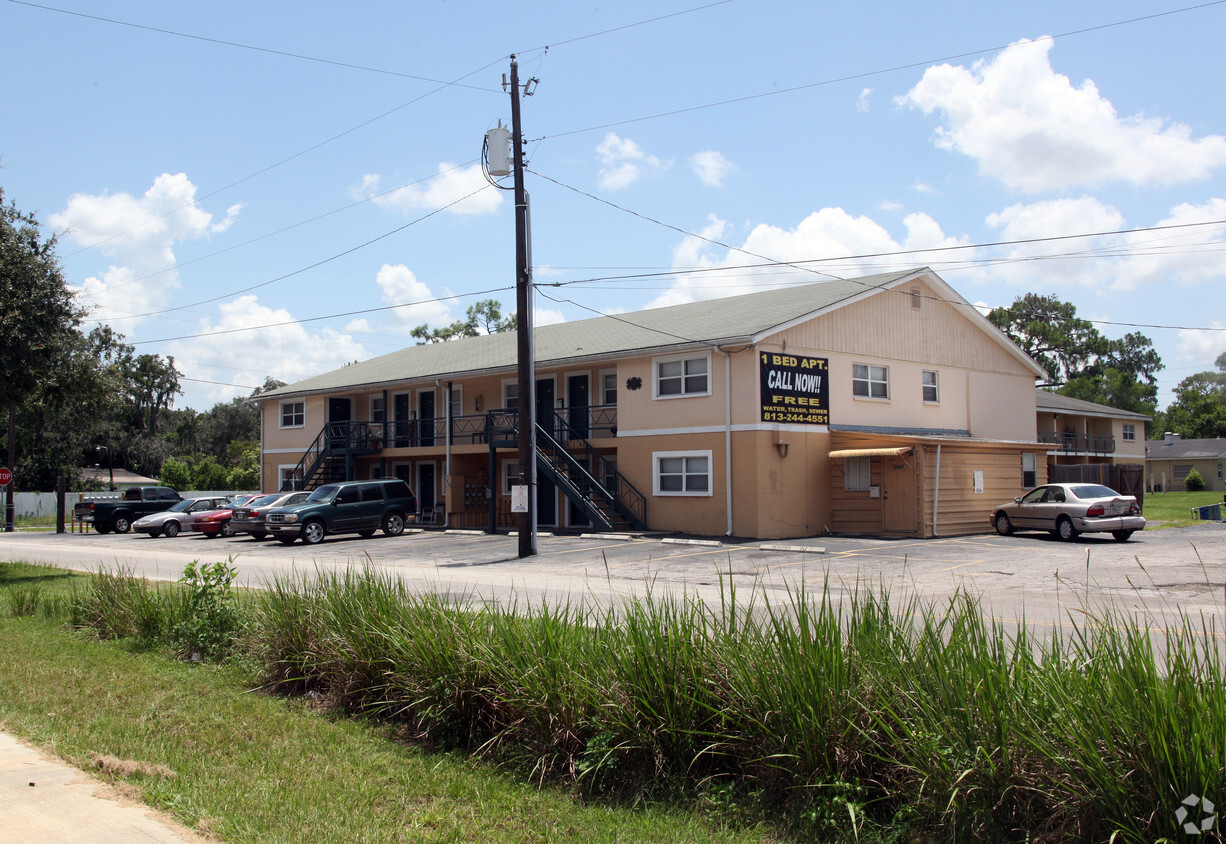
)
(217, 522)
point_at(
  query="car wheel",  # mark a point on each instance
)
(226, 529)
(393, 524)
(1121, 535)
(121, 524)
(1003, 526)
(366, 534)
(313, 533)
(286, 540)
(154, 534)
(257, 536)
(171, 529)
(102, 528)
(1065, 529)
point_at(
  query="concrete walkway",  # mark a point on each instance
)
(46, 801)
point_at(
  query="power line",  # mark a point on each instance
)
(799, 264)
(320, 318)
(870, 73)
(315, 265)
(224, 43)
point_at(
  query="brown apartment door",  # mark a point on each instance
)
(899, 511)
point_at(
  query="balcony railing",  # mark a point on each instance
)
(1092, 443)
(572, 423)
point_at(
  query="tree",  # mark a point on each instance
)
(38, 314)
(152, 386)
(484, 317)
(1199, 409)
(1085, 364)
(71, 413)
(1049, 331)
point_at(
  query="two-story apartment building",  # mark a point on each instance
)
(885, 405)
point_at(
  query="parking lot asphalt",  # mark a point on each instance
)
(1032, 576)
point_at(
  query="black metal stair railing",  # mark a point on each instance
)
(327, 458)
(594, 478)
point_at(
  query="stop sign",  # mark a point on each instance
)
(6, 476)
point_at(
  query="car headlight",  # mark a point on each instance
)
(290, 517)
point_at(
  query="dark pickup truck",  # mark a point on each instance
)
(118, 512)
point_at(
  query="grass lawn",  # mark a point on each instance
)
(251, 767)
(1174, 509)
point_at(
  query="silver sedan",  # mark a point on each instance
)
(178, 517)
(1069, 509)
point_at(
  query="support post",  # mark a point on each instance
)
(524, 347)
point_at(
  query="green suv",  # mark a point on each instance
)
(360, 507)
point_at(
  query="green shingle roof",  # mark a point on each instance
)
(732, 319)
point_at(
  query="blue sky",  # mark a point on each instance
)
(280, 188)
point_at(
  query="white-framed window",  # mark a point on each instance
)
(378, 409)
(608, 387)
(869, 381)
(510, 475)
(456, 398)
(1029, 471)
(293, 414)
(510, 395)
(917, 298)
(1130, 432)
(682, 376)
(1219, 471)
(932, 394)
(682, 473)
(1182, 470)
(287, 473)
(857, 473)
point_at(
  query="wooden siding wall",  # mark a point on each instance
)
(885, 326)
(854, 511)
(961, 510)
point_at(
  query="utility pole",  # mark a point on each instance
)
(524, 345)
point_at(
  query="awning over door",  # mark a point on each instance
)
(893, 451)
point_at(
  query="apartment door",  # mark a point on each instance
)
(899, 511)
(578, 397)
(425, 416)
(340, 411)
(426, 485)
(545, 413)
(400, 419)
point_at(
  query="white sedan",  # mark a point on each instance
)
(1069, 509)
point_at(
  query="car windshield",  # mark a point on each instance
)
(325, 493)
(267, 499)
(180, 506)
(1093, 491)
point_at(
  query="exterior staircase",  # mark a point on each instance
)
(329, 459)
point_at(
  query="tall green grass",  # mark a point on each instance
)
(834, 717)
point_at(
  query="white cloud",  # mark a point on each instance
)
(1183, 257)
(450, 185)
(547, 316)
(286, 351)
(399, 286)
(623, 162)
(1029, 127)
(1199, 349)
(711, 167)
(889, 205)
(139, 232)
(863, 103)
(828, 233)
